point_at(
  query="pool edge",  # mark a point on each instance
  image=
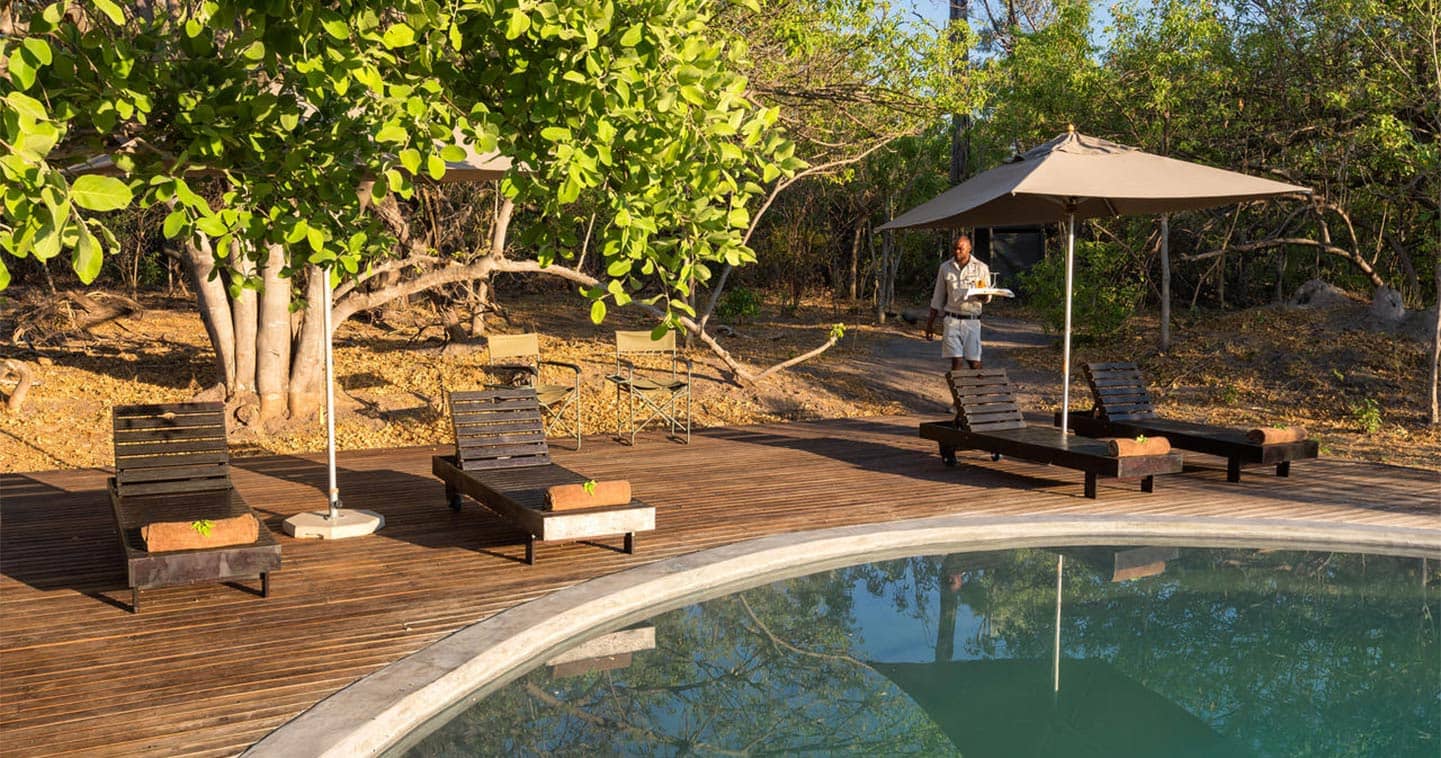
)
(377, 711)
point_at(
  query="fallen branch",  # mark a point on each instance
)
(1342, 252)
(20, 372)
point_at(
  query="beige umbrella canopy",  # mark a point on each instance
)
(1075, 176)
(1089, 178)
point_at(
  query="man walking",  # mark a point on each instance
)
(961, 326)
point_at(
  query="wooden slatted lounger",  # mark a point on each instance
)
(1123, 408)
(502, 461)
(988, 419)
(172, 464)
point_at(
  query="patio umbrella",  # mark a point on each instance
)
(1075, 176)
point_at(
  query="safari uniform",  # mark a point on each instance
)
(961, 326)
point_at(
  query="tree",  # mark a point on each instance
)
(272, 132)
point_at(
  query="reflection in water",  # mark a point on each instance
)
(1161, 652)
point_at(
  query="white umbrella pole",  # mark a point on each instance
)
(336, 522)
(333, 491)
(1066, 340)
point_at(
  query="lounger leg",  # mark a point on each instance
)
(948, 454)
(134, 599)
(1283, 468)
(530, 550)
(265, 584)
(452, 496)
(1233, 469)
(1148, 484)
(630, 542)
(1090, 485)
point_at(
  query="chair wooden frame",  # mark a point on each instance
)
(501, 460)
(520, 354)
(1124, 408)
(988, 419)
(172, 463)
(647, 388)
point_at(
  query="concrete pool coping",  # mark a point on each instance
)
(382, 709)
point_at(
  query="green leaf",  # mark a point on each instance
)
(39, 51)
(619, 267)
(435, 166)
(334, 25)
(398, 35)
(410, 158)
(27, 106)
(518, 24)
(4, 274)
(202, 527)
(631, 38)
(111, 11)
(597, 311)
(174, 223)
(21, 72)
(100, 193)
(254, 52)
(452, 153)
(88, 256)
(392, 133)
(555, 134)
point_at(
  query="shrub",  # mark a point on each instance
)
(1367, 415)
(739, 304)
(1106, 290)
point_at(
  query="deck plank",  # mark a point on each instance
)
(207, 670)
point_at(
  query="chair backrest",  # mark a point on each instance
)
(502, 346)
(498, 429)
(641, 342)
(170, 448)
(1119, 391)
(984, 400)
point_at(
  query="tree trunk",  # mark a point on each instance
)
(272, 344)
(214, 308)
(1436, 354)
(243, 310)
(856, 256)
(308, 364)
(1165, 282)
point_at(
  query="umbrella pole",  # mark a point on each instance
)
(1066, 340)
(332, 491)
(336, 522)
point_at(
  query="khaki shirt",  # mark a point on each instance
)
(952, 280)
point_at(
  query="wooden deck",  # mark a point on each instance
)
(210, 669)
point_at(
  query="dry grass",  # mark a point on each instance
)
(1252, 367)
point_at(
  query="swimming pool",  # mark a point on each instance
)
(1035, 651)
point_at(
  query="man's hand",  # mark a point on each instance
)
(931, 325)
(930, 335)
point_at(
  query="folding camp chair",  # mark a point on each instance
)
(520, 354)
(654, 385)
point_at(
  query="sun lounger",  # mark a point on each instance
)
(1123, 408)
(172, 464)
(502, 461)
(988, 419)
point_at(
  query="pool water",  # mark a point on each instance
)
(1158, 652)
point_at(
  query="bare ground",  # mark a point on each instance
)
(1244, 368)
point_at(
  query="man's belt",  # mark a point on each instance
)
(962, 315)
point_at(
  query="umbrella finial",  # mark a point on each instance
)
(1070, 128)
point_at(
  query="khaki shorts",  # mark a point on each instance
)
(961, 338)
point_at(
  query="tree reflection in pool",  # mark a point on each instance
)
(1161, 652)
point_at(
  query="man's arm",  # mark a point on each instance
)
(938, 301)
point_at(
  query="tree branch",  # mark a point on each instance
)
(1342, 252)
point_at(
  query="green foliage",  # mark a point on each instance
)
(589, 487)
(1367, 415)
(202, 527)
(1105, 290)
(259, 124)
(740, 304)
